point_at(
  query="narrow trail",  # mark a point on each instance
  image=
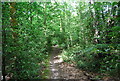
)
(54, 63)
(63, 70)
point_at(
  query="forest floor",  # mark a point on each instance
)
(64, 70)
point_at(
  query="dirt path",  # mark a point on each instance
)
(54, 64)
(62, 70)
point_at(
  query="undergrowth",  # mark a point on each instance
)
(95, 58)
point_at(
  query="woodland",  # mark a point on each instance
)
(87, 34)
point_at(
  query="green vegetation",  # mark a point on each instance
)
(88, 33)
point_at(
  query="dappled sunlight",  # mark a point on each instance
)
(54, 69)
(59, 60)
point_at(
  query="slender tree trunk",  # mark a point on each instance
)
(4, 53)
(14, 24)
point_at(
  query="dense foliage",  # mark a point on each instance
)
(25, 42)
(89, 34)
